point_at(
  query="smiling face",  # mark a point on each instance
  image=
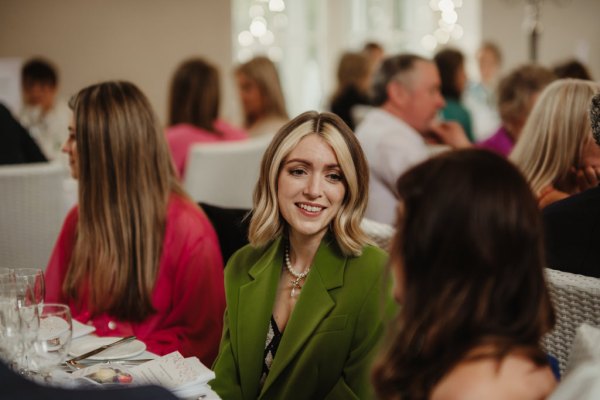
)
(310, 188)
(70, 148)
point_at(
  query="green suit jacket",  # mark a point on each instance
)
(330, 339)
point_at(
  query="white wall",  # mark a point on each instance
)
(138, 40)
(571, 29)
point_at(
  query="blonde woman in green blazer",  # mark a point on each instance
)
(305, 298)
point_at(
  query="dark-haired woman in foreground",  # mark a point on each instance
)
(468, 265)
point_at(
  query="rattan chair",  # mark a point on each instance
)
(576, 300)
(380, 233)
(31, 213)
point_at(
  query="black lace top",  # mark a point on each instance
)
(271, 345)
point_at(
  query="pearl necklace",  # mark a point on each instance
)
(299, 276)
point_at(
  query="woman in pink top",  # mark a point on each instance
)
(194, 111)
(136, 256)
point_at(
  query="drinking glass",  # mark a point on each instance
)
(53, 341)
(30, 325)
(10, 322)
(30, 286)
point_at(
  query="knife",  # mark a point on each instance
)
(101, 349)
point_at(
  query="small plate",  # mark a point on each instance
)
(120, 351)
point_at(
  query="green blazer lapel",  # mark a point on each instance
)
(312, 307)
(255, 306)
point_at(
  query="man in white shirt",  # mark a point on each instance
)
(45, 117)
(394, 136)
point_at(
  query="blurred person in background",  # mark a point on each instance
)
(194, 111)
(451, 65)
(353, 83)
(556, 151)
(572, 69)
(262, 99)
(571, 225)
(395, 134)
(480, 98)
(16, 144)
(517, 94)
(44, 115)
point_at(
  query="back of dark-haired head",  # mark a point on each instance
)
(469, 245)
(38, 70)
(448, 62)
(194, 97)
(392, 68)
(572, 69)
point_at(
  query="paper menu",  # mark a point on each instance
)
(172, 371)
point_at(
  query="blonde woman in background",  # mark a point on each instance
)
(556, 151)
(261, 95)
(136, 256)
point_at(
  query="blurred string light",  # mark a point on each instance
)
(266, 18)
(448, 26)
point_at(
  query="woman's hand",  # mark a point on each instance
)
(586, 177)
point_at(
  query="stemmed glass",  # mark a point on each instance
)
(30, 286)
(53, 341)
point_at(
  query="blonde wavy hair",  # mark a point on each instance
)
(267, 223)
(554, 135)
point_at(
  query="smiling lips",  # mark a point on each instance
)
(310, 208)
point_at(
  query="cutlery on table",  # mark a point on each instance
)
(73, 361)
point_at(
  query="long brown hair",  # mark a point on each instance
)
(125, 180)
(469, 248)
(194, 97)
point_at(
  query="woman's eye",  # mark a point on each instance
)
(297, 171)
(335, 177)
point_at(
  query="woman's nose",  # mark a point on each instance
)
(313, 187)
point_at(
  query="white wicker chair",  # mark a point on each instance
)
(576, 300)
(380, 233)
(31, 213)
(224, 174)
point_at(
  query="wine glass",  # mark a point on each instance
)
(10, 322)
(30, 286)
(53, 341)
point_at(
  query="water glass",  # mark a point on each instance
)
(10, 325)
(53, 342)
